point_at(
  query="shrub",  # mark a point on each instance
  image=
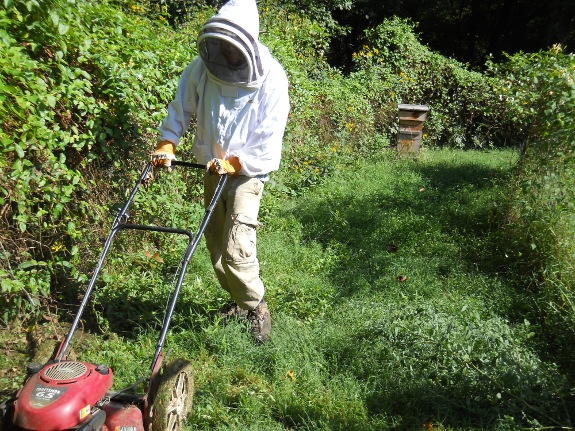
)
(84, 88)
(465, 111)
(539, 226)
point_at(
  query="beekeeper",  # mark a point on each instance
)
(239, 96)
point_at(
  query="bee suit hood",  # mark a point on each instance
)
(240, 105)
(236, 27)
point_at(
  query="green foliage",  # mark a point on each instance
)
(538, 91)
(451, 363)
(175, 13)
(142, 267)
(465, 110)
(298, 42)
(83, 88)
(24, 287)
(332, 122)
(353, 347)
(447, 342)
(539, 227)
(319, 11)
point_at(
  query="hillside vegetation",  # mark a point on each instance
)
(84, 84)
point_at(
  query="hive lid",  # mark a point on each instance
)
(407, 107)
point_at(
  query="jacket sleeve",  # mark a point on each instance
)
(181, 109)
(262, 152)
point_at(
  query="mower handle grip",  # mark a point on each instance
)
(188, 164)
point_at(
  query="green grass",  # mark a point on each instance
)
(354, 347)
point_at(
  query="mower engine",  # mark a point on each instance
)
(62, 395)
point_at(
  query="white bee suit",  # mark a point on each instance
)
(241, 104)
(239, 112)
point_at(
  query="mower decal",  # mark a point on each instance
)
(42, 396)
(85, 412)
(126, 428)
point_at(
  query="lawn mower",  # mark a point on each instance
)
(66, 394)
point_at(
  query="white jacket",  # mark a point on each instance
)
(246, 120)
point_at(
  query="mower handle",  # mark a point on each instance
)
(188, 164)
(120, 224)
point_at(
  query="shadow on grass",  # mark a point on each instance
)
(443, 212)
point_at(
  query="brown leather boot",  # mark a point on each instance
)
(261, 323)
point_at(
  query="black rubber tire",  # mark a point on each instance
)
(171, 397)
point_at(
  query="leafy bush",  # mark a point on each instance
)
(83, 89)
(331, 122)
(539, 226)
(465, 111)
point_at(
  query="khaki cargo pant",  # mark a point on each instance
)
(231, 237)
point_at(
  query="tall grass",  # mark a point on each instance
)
(540, 223)
(389, 312)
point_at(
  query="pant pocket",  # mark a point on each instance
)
(241, 246)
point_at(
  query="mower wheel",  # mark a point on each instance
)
(171, 397)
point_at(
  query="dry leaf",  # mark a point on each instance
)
(155, 256)
(392, 248)
(402, 278)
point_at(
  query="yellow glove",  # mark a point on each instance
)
(164, 154)
(230, 166)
